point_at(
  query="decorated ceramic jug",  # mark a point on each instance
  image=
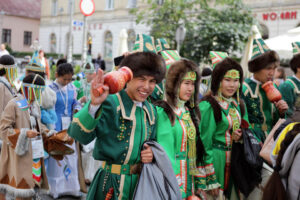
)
(272, 93)
(193, 197)
(115, 80)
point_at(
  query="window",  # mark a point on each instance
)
(130, 39)
(109, 4)
(6, 36)
(131, 4)
(54, 8)
(52, 43)
(27, 37)
(108, 45)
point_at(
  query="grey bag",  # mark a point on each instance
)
(157, 180)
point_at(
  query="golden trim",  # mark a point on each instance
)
(131, 143)
(77, 121)
(132, 113)
(121, 186)
(249, 89)
(145, 125)
(295, 86)
(151, 121)
(262, 112)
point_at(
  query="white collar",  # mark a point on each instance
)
(138, 103)
(256, 81)
(296, 78)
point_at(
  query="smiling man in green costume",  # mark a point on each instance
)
(121, 123)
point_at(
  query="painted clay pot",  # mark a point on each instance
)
(272, 92)
(115, 80)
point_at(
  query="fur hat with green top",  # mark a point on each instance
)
(295, 61)
(262, 56)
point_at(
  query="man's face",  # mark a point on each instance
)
(2, 47)
(139, 88)
(265, 74)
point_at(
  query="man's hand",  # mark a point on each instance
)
(282, 106)
(146, 154)
(97, 82)
(31, 133)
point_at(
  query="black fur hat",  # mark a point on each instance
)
(220, 70)
(174, 77)
(262, 61)
(295, 62)
(146, 63)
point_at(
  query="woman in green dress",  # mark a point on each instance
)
(221, 116)
(177, 125)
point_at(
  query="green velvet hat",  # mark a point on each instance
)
(170, 56)
(259, 48)
(296, 47)
(144, 43)
(217, 56)
(161, 45)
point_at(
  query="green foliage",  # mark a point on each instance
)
(77, 69)
(52, 72)
(223, 26)
(8, 48)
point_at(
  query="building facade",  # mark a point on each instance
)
(19, 25)
(276, 17)
(103, 27)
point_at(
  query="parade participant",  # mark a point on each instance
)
(279, 76)
(44, 63)
(3, 50)
(177, 125)
(21, 161)
(63, 176)
(221, 115)
(8, 73)
(89, 164)
(120, 123)
(262, 113)
(290, 89)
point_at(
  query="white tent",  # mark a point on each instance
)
(282, 44)
(248, 49)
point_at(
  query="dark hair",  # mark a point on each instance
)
(145, 63)
(42, 74)
(61, 61)
(274, 189)
(64, 68)
(30, 77)
(282, 74)
(87, 66)
(295, 63)
(6, 60)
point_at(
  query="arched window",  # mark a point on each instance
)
(264, 31)
(67, 43)
(130, 39)
(108, 45)
(53, 43)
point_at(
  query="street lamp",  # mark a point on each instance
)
(70, 49)
(179, 36)
(61, 10)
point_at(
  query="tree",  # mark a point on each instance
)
(222, 26)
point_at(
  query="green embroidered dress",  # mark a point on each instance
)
(175, 140)
(290, 91)
(217, 140)
(261, 112)
(120, 129)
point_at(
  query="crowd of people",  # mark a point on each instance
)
(74, 136)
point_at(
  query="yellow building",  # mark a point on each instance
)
(104, 27)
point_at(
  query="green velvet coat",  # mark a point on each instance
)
(120, 128)
(290, 91)
(174, 141)
(262, 114)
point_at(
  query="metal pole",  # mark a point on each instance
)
(60, 21)
(70, 49)
(84, 39)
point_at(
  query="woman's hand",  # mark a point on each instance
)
(214, 192)
(97, 82)
(201, 193)
(83, 99)
(236, 135)
(146, 154)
